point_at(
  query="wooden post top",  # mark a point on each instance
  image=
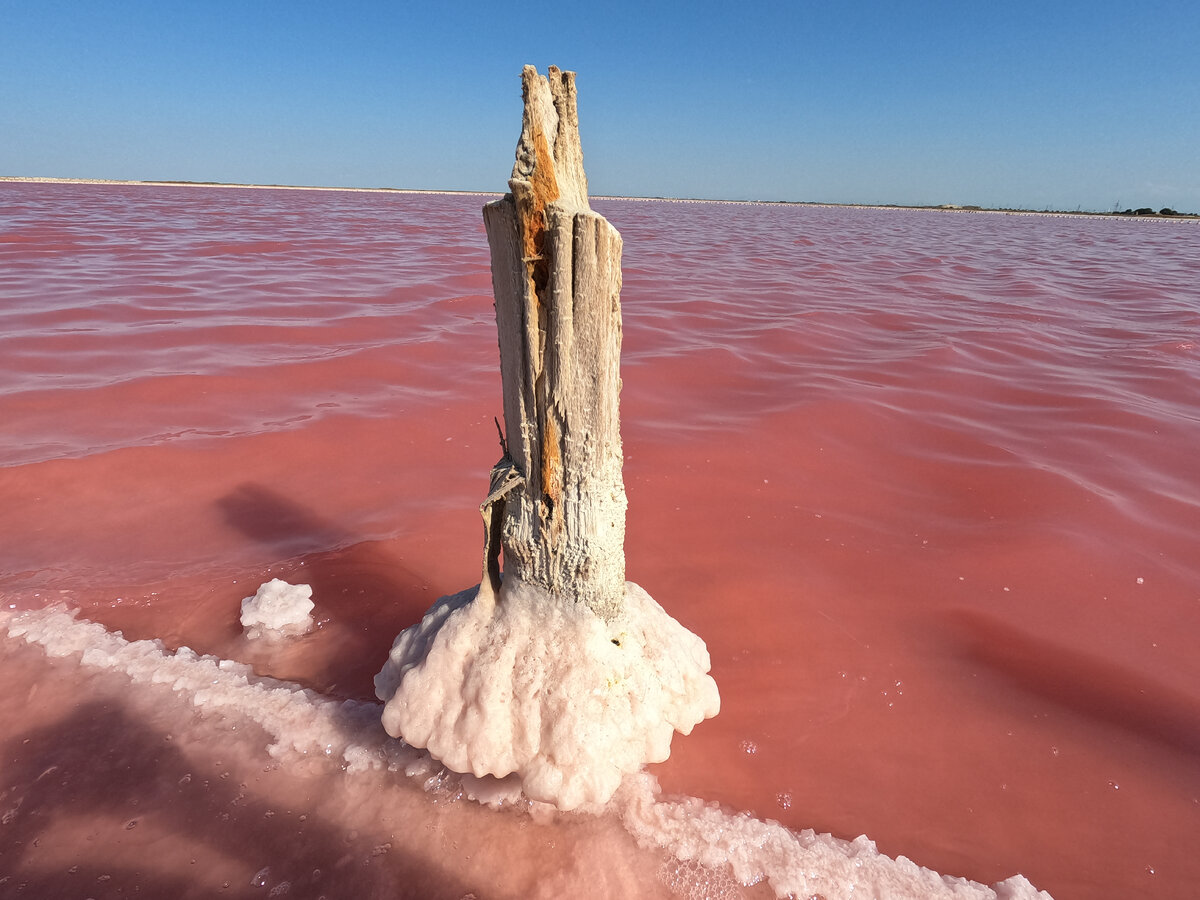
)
(549, 154)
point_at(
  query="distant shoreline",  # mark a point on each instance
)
(220, 184)
(945, 207)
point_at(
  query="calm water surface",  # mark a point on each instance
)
(925, 482)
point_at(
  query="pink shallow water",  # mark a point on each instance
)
(925, 482)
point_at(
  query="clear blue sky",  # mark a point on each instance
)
(1034, 104)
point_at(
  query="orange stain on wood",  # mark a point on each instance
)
(545, 191)
(552, 468)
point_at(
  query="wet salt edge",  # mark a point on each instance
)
(303, 723)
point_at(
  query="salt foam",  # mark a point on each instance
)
(303, 723)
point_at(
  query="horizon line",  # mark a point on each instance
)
(944, 207)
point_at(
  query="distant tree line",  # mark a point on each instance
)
(1146, 211)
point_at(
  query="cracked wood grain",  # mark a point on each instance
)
(556, 276)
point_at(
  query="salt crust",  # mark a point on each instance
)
(522, 683)
(303, 723)
(300, 721)
(797, 864)
(278, 609)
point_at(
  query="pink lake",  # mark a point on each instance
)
(924, 481)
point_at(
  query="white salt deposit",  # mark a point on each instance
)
(278, 609)
(803, 864)
(524, 684)
(299, 721)
(705, 840)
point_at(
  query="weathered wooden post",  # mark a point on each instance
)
(558, 673)
(556, 274)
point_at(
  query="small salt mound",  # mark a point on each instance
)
(526, 684)
(278, 608)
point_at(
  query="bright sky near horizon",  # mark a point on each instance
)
(1043, 104)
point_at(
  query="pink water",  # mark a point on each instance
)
(925, 482)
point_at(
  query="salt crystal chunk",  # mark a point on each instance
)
(278, 608)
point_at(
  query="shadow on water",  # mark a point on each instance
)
(364, 594)
(279, 522)
(103, 805)
(1085, 683)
